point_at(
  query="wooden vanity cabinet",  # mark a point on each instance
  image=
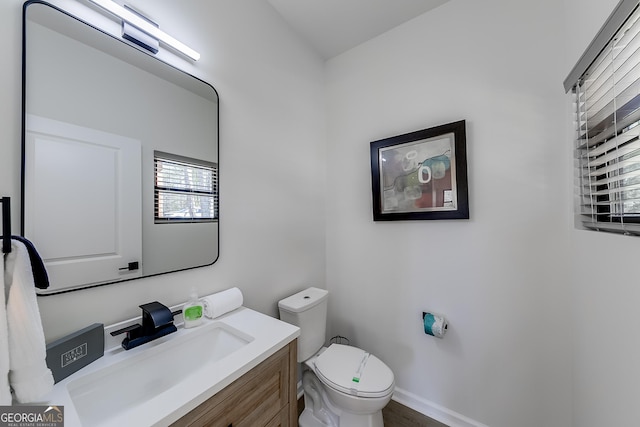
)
(264, 396)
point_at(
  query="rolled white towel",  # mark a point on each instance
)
(220, 303)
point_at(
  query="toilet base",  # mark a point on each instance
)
(320, 411)
(307, 419)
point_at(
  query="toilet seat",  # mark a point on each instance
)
(353, 371)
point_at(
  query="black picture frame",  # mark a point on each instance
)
(421, 175)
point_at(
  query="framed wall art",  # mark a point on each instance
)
(421, 175)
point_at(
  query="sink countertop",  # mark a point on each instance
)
(268, 336)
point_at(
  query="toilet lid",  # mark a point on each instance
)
(354, 371)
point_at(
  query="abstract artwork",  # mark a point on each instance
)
(421, 175)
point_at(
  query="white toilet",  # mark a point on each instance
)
(343, 386)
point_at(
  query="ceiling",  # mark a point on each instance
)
(335, 26)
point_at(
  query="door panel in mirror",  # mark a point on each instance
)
(81, 78)
(63, 160)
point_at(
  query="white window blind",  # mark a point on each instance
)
(186, 190)
(607, 151)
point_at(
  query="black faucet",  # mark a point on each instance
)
(157, 321)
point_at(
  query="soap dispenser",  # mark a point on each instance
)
(192, 310)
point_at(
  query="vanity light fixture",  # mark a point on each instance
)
(145, 26)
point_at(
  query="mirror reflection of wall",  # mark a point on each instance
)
(96, 111)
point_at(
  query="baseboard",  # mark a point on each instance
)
(433, 410)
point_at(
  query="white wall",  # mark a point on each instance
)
(502, 277)
(271, 159)
(605, 292)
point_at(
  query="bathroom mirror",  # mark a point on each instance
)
(120, 156)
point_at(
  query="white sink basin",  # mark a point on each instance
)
(132, 381)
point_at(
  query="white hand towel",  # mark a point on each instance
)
(29, 376)
(220, 303)
(5, 391)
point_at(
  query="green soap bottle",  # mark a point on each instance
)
(192, 311)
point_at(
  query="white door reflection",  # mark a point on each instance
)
(82, 202)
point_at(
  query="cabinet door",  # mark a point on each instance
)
(281, 420)
(260, 400)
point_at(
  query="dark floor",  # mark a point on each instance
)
(397, 415)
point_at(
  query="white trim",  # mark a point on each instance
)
(433, 410)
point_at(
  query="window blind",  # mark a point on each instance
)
(186, 190)
(607, 150)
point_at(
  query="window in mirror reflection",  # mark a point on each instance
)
(186, 190)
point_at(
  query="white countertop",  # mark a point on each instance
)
(267, 334)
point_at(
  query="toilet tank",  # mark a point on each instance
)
(308, 311)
